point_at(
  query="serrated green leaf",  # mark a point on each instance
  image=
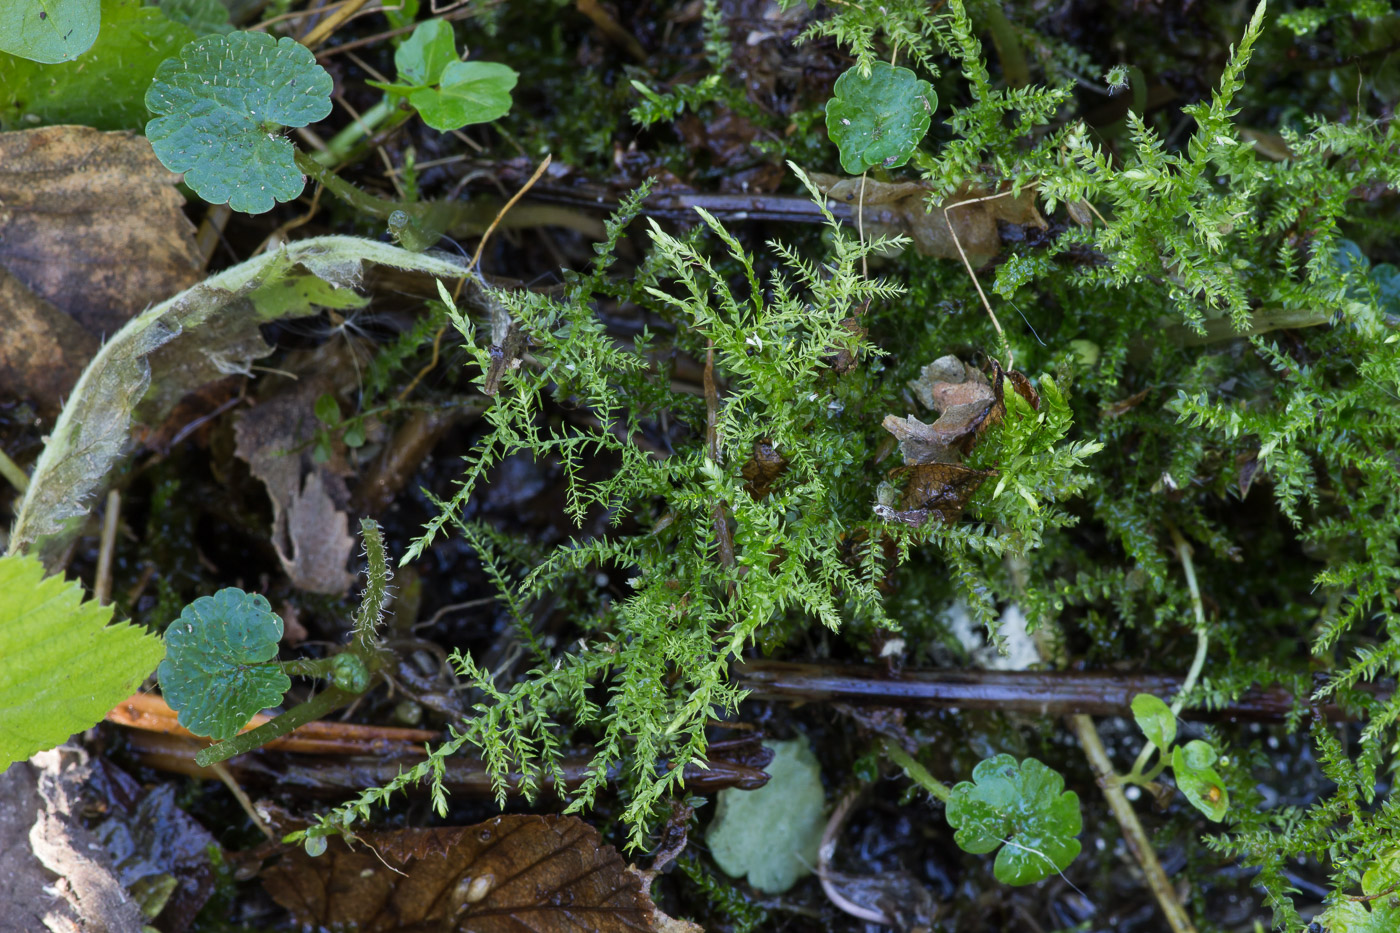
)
(220, 105)
(201, 16)
(470, 92)
(106, 86)
(1192, 766)
(1023, 809)
(880, 119)
(423, 56)
(62, 667)
(48, 30)
(1155, 719)
(215, 672)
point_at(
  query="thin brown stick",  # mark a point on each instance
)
(968, 266)
(476, 257)
(327, 27)
(1133, 833)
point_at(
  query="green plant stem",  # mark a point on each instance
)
(13, 474)
(1133, 833)
(308, 667)
(326, 701)
(917, 772)
(361, 201)
(1188, 568)
(340, 146)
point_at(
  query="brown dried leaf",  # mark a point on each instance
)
(510, 873)
(1120, 408)
(91, 224)
(309, 529)
(900, 209)
(762, 470)
(941, 488)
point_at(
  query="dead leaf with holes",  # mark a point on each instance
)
(889, 209)
(510, 873)
(92, 231)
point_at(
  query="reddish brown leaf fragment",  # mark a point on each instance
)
(763, 469)
(1122, 407)
(511, 873)
(942, 488)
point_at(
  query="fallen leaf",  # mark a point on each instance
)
(510, 873)
(941, 489)
(772, 834)
(902, 209)
(91, 224)
(86, 893)
(762, 470)
(1123, 406)
(200, 335)
(310, 530)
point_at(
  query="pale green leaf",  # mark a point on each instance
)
(1192, 766)
(470, 92)
(48, 30)
(771, 834)
(423, 56)
(62, 667)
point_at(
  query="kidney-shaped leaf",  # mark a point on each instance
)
(1193, 767)
(1023, 809)
(508, 874)
(48, 30)
(879, 119)
(215, 671)
(219, 107)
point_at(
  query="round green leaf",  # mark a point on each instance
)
(219, 107)
(1023, 809)
(423, 56)
(1155, 719)
(48, 31)
(1192, 766)
(878, 120)
(215, 672)
(469, 92)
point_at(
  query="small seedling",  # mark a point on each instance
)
(1192, 764)
(448, 93)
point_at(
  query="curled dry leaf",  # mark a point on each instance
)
(901, 209)
(510, 873)
(762, 470)
(940, 489)
(92, 231)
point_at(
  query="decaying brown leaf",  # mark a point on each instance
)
(92, 227)
(1121, 407)
(901, 209)
(310, 530)
(762, 470)
(508, 874)
(941, 489)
